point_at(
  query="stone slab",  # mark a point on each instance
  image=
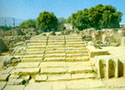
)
(115, 82)
(53, 64)
(7, 71)
(14, 87)
(54, 59)
(40, 78)
(26, 71)
(84, 84)
(31, 59)
(58, 77)
(55, 55)
(84, 76)
(59, 86)
(15, 82)
(4, 77)
(28, 65)
(39, 86)
(79, 63)
(56, 52)
(77, 58)
(33, 56)
(80, 69)
(2, 85)
(77, 55)
(53, 70)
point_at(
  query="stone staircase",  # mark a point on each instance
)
(56, 58)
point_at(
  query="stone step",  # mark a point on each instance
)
(35, 50)
(56, 51)
(76, 59)
(58, 70)
(74, 40)
(28, 65)
(76, 51)
(41, 37)
(26, 71)
(31, 59)
(64, 64)
(55, 55)
(37, 44)
(55, 48)
(76, 55)
(53, 64)
(34, 47)
(56, 43)
(36, 41)
(62, 70)
(49, 59)
(33, 56)
(72, 48)
(64, 77)
(35, 53)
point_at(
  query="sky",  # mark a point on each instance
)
(30, 9)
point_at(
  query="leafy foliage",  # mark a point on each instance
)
(97, 17)
(28, 24)
(46, 21)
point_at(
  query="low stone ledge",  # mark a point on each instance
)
(96, 52)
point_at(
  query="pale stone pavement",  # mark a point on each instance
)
(55, 63)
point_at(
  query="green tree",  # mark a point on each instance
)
(97, 17)
(46, 21)
(28, 24)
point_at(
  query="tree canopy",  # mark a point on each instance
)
(46, 21)
(28, 24)
(97, 17)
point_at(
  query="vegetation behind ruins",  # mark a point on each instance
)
(97, 17)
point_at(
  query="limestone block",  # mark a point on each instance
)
(80, 69)
(2, 85)
(55, 51)
(31, 59)
(83, 76)
(59, 86)
(96, 52)
(53, 64)
(39, 86)
(54, 59)
(55, 55)
(123, 42)
(58, 77)
(53, 70)
(26, 71)
(40, 78)
(16, 82)
(4, 77)
(108, 66)
(84, 58)
(14, 87)
(77, 55)
(84, 84)
(7, 71)
(14, 77)
(28, 65)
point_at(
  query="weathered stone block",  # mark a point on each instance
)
(2, 85)
(40, 78)
(14, 87)
(4, 77)
(26, 71)
(16, 82)
(108, 66)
